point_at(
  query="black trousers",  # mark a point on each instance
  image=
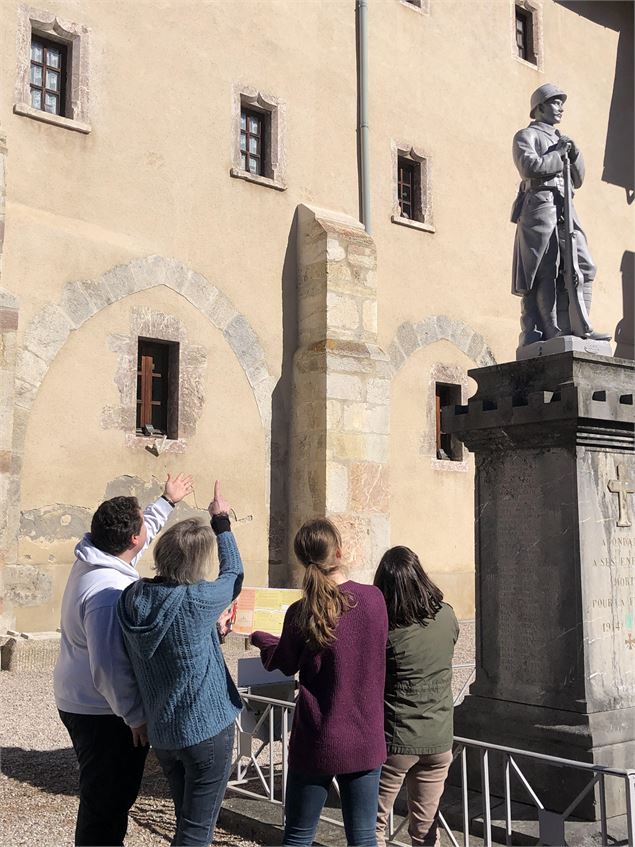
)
(110, 773)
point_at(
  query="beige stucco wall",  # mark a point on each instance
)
(430, 504)
(152, 177)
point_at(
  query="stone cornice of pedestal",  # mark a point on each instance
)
(569, 399)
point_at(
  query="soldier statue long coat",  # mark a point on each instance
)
(540, 199)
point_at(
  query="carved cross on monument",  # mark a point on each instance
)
(622, 487)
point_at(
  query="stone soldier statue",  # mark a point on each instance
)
(539, 153)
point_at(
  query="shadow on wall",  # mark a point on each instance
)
(279, 573)
(625, 330)
(618, 166)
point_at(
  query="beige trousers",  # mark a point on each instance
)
(425, 778)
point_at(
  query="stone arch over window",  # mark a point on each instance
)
(412, 335)
(49, 329)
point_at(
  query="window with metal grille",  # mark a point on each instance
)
(157, 388)
(48, 75)
(524, 35)
(449, 448)
(406, 187)
(252, 141)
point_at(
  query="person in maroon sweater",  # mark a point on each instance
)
(335, 636)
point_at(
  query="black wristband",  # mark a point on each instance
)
(167, 500)
(221, 523)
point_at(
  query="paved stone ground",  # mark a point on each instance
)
(38, 779)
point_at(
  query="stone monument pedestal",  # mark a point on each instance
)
(555, 550)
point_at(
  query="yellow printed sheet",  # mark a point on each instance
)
(263, 608)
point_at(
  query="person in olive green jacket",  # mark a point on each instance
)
(418, 705)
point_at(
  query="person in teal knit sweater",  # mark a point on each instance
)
(189, 698)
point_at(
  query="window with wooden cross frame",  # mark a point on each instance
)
(47, 76)
(157, 388)
(524, 21)
(253, 151)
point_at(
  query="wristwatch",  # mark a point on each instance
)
(167, 500)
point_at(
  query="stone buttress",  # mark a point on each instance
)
(341, 391)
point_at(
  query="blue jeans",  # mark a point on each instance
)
(306, 796)
(197, 777)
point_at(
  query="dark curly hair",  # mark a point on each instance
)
(114, 523)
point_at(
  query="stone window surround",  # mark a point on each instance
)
(275, 153)
(415, 154)
(35, 21)
(449, 375)
(533, 8)
(148, 323)
(420, 6)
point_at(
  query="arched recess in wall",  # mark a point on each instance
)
(413, 335)
(49, 329)
(431, 497)
(76, 356)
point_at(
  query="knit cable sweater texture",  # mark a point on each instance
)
(338, 723)
(170, 634)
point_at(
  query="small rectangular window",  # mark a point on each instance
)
(49, 61)
(449, 448)
(252, 141)
(407, 187)
(524, 35)
(157, 388)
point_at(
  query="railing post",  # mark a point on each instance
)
(508, 802)
(465, 798)
(487, 812)
(272, 784)
(630, 806)
(603, 821)
(285, 758)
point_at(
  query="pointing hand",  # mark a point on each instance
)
(218, 506)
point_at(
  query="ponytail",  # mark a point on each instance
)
(323, 603)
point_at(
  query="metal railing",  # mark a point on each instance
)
(267, 769)
(274, 782)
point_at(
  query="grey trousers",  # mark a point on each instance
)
(425, 779)
(540, 309)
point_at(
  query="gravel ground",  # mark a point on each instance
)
(38, 783)
(38, 779)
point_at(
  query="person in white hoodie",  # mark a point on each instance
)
(95, 688)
